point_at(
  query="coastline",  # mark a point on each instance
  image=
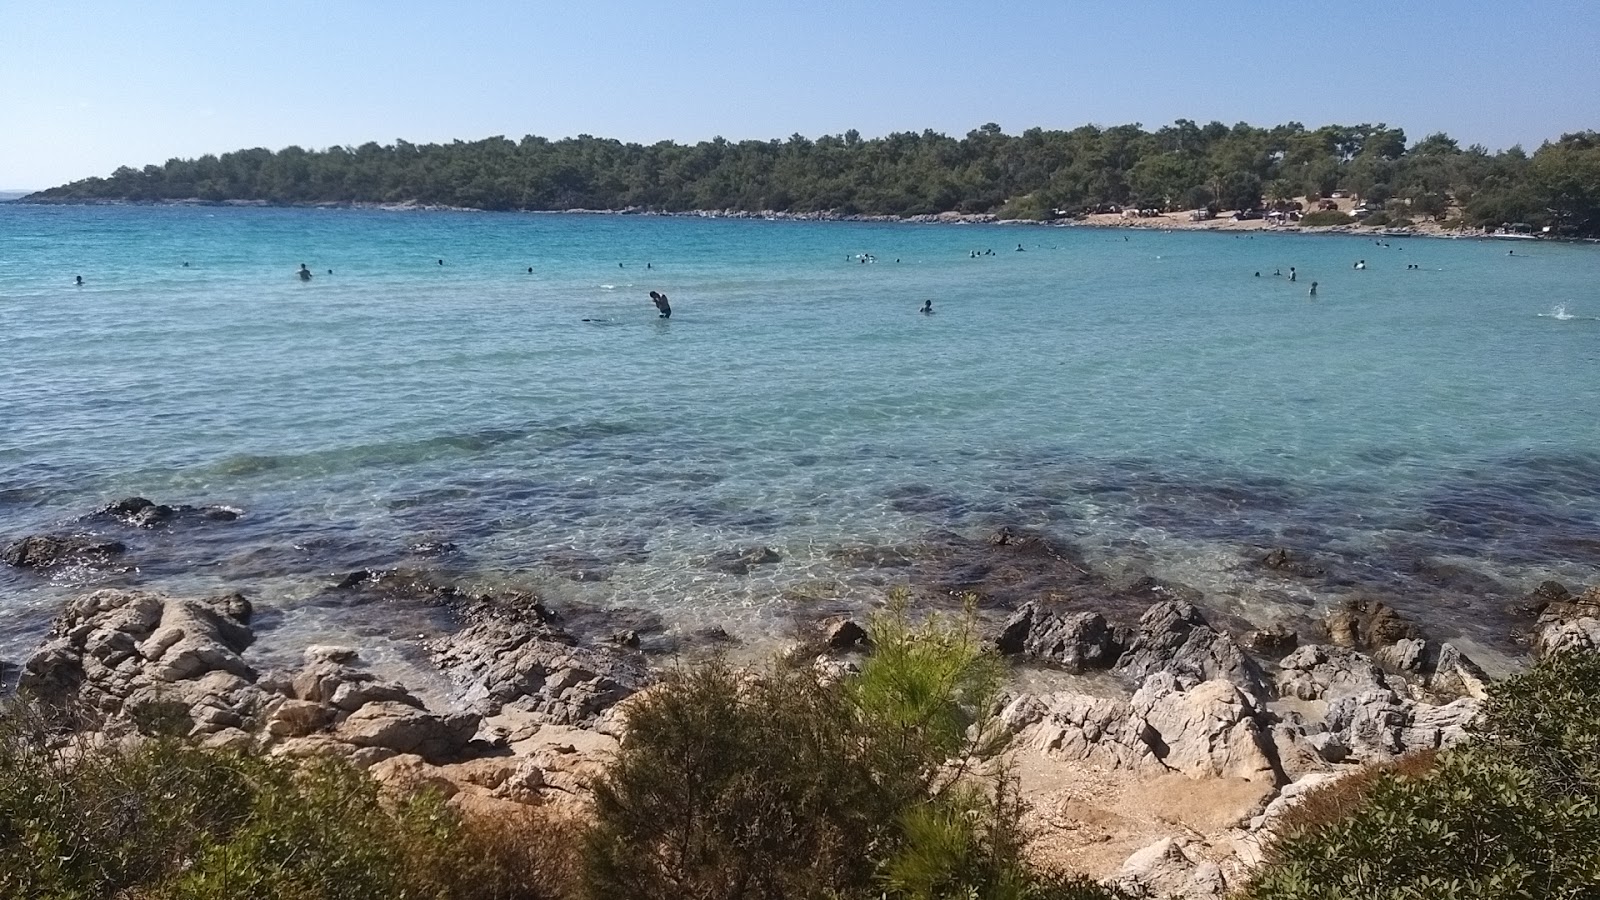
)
(1169, 221)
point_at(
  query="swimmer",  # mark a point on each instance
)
(1291, 273)
(530, 270)
(441, 262)
(1362, 264)
(1258, 274)
(1019, 248)
(927, 308)
(1277, 273)
(186, 265)
(660, 300)
(1313, 288)
(305, 273)
(78, 280)
(330, 271)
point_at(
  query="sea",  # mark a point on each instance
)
(492, 397)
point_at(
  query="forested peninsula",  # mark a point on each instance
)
(1037, 174)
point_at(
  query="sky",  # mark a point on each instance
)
(86, 87)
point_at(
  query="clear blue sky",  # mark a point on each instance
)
(88, 86)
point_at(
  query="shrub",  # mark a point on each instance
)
(1324, 217)
(161, 819)
(778, 785)
(1515, 812)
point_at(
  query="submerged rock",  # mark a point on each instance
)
(740, 560)
(1291, 563)
(139, 512)
(49, 551)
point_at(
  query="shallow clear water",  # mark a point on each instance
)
(1143, 395)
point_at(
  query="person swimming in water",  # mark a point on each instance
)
(660, 300)
(927, 308)
(78, 280)
(305, 273)
(441, 262)
(1019, 249)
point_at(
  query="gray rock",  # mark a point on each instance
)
(538, 670)
(1173, 637)
(840, 633)
(1319, 672)
(741, 560)
(1076, 641)
(1380, 724)
(1436, 669)
(1164, 870)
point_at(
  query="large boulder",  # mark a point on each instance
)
(1074, 640)
(405, 729)
(139, 512)
(1209, 730)
(49, 551)
(1173, 637)
(1165, 870)
(531, 667)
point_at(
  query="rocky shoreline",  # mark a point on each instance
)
(1200, 730)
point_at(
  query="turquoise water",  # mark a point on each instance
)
(1143, 395)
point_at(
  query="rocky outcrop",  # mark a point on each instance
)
(42, 552)
(1208, 730)
(133, 654)
(531, 667)
(1173, 637)
(403, 728)
(1074, 640)
(1291, 563)
(1321, 672)
(1572, 623)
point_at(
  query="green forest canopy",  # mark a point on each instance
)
(1036, 174)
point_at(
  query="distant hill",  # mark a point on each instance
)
(1037, 174)
(13, 195)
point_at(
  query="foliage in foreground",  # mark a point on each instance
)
(886, 784)
(164, 820)
(1515, 813)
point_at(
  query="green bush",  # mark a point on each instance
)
(885, 784)
(1513, 813)
(1324, 217)
(160, 819)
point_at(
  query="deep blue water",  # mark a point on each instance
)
(1149, 399)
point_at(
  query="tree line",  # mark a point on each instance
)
(1038, 174)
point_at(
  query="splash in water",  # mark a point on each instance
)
(1558, 312)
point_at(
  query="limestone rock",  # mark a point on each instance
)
(1380, 724)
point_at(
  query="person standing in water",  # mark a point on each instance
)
(78, 280)
(660, 300)
(1313, 289)
(927, 308)
(305, 273)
